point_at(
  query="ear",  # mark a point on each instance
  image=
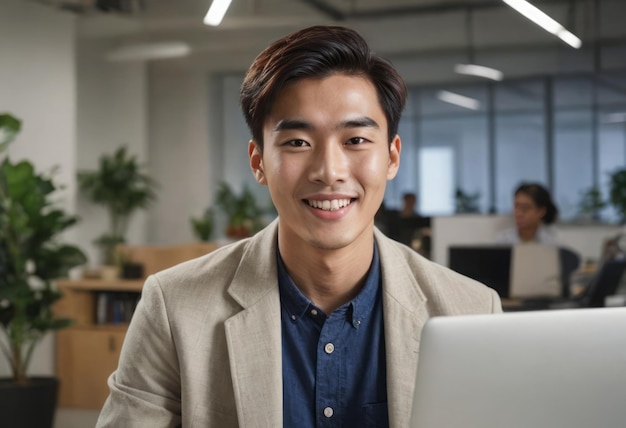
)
(256, 162)
(394, 157)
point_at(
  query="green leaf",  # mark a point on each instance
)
(30, 256)
(10, 126)
(119, 185)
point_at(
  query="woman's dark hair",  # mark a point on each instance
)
(318, 51)
(541, 197)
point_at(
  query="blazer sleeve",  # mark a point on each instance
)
(496, 303)
(145, 388)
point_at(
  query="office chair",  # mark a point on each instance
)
(603, 284)
(570, 261)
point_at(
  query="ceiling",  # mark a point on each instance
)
(392, 27)
(183, 18)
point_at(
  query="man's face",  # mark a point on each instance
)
(326, 160)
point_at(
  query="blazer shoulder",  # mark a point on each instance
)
(446, 291)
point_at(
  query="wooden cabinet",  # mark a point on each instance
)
(85, 360)
(87, 352)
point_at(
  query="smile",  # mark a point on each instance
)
(331, 205)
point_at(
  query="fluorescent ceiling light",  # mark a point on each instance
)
(458, 100)
(148, 51)
(615, 118)
(479, 70)
(544, 21)
(216, 12)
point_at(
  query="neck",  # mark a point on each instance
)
(528, 234)
(329, 278)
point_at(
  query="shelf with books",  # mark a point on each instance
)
(88, 351)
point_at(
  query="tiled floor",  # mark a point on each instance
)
(75, 418)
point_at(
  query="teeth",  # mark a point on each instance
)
(327, 205)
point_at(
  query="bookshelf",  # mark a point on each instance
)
(88, 351)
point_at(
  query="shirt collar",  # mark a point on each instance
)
(296, 304)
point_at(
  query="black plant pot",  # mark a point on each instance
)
(132, 271)
(28, 406)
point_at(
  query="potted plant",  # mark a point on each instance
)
(242, 211)
(465, 203)
(591, 203)
(31, 257)
(203, 226)
(122, 187)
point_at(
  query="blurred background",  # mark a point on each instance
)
(89, 76)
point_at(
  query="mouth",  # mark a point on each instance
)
(329, 205)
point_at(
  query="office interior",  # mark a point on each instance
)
(557, 117)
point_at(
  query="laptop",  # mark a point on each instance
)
(561, 368)
(535, 271)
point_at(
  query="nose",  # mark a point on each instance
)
(329, 163)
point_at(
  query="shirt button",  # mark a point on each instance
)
(329, 348)
(328, 412)
(313, 312)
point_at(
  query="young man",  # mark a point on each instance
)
(315, 321)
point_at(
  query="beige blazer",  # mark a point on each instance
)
(204, 346)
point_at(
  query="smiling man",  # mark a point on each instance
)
(315, 321)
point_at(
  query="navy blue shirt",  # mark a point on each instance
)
(334, 372)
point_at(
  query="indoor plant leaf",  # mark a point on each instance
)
(30, 258)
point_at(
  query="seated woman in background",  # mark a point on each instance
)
(534, 211)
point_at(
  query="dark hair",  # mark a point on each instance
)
(541, 197)
(318, 51)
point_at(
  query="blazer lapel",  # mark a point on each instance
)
(254, 335)
(405, 312)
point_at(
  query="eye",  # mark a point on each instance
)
(355, 141)
(296, 143)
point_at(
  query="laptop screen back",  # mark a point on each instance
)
(535, 271)
(561, 368)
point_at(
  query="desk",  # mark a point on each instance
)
(534, 304)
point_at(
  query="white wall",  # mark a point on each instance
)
(180, 158)
(37, 84)
(112, 99)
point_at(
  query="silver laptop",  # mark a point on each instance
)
(552, 369)
(535, 271)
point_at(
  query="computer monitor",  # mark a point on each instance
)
(404, 229)
(559, 368)
(490, 265)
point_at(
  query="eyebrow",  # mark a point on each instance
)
(296, 124)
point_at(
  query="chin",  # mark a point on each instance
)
(329, 244)
(330, 240)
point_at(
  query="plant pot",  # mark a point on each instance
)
(132, 271)
(28, 406)
(109, 273)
